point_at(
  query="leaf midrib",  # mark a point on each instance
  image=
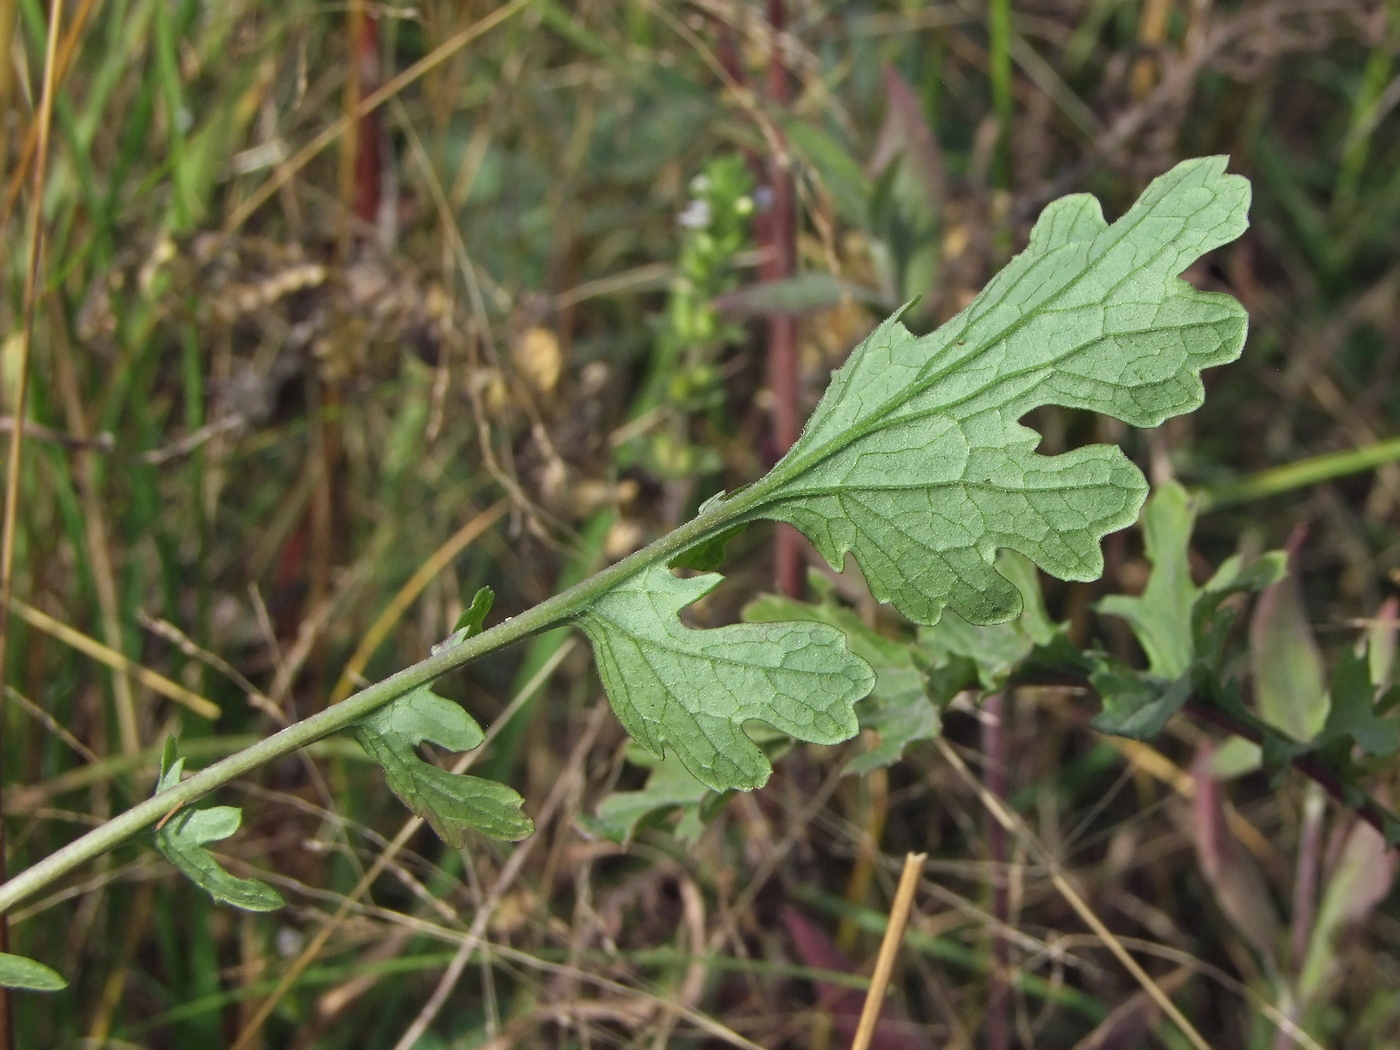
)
(875, 420)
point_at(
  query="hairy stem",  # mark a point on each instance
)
(551, 613)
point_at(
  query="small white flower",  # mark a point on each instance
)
(696, 215)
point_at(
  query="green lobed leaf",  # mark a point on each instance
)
(1352, 717)
(183, 836)
(899, 708)
(453, 803)
(1136, 705)
(989, 652)
(1212, 617)
(914, 460)
(18, 972)
(693, 690)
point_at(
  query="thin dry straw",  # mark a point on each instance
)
(889, 948)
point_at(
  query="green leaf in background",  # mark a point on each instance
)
(995, 650)
(1352, 717)
(1136, 705)
(670, 786)
(1381, 635)
(914, 460)
(1290, 688)
(1212, 616)
(837, 170)
(452, 803)
(1235, 877)
(692, 690)
(1161, 617)
(806, 293)
(1360, 881)
(473, 617)
(898, 709)
(1179, 625)
(182, 838)
(18, 972)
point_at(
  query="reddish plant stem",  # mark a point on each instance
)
(364, 44)
(361, 196)
(780, 263)
(1309, 765)
(997, 777)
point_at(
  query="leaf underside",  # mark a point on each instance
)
(915, 463)
(692, 690)
(899, 708)
(182, 839)
(914, 460)
(1179, 625)
(1161, 615)
(452, 803)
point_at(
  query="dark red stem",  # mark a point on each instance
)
(780, 263)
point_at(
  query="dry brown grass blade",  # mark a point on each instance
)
(18, 398)
(172, 634)
(889, 949)
(120, 662)
(66, 50)
(1177, 957)
(408, 593)
(1149, 760)
(50, 723)
(1012, 823)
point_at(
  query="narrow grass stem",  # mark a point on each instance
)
(551, 613)
(999, 33)
(1305, 472)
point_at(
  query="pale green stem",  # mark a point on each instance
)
(551, 613)
(1299, 475)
